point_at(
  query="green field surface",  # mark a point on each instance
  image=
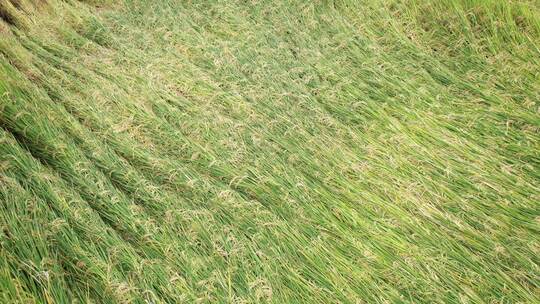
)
(244, 151)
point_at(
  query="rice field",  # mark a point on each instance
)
(244, 151)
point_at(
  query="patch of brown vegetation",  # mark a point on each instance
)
(4, 28)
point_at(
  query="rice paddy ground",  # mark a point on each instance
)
(368, 151)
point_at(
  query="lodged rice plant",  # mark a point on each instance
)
(368, 151)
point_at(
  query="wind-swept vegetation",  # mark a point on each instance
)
(371, 151)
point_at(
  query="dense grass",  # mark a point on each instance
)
(378, 151)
